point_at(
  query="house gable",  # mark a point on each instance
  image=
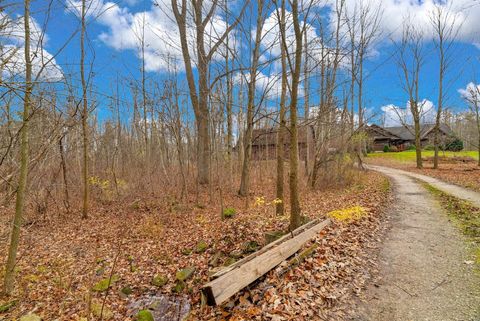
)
(377, 132)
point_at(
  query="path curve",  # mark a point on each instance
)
(455, 190)
(422, 270)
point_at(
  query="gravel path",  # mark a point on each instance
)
(423, 274)
(455, 190)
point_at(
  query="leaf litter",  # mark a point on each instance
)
(64, 263)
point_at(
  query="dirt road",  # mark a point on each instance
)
(424, 270)
(455, 190)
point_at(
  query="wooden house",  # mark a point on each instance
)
(403, 136)
(264, 142)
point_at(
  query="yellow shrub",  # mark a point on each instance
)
(103, 184)
(348, 214)
(259, 201)
(277, 201)
(94, 180)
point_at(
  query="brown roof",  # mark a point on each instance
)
(407, 132)
(379, 133)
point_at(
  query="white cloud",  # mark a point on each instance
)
(44, 65)
(12, 53)
(14, 31)
(269, 79)
(271, 38)
(271, 34)
(398, 116)
(471, 93)
(463, 13)
(157, 26)
(270, 85)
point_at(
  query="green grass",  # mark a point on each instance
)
(464, 215)
(409, 155)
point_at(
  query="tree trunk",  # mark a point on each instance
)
(229, 124)
(22, 180)
(280, 205)
(199, 101)
(418, 142)
(306, 84)
(64, 174)
(295, 218)
(245, 179)
(477, 112)
(479, 148)
(441, 74)
(84, 115)
(359, 77)
(229, 107)
(203, 148)
(353, 78)
(179, 140)
(144, 99)
(247, 145)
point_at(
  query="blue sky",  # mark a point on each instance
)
(115, 55)
(384, 83)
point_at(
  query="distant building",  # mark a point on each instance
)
(403, 136)
(264, 142)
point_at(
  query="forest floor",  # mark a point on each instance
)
(456, 168)
(427, 267)
(139, 246)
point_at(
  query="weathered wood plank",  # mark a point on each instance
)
(265, 248)
(222, 288)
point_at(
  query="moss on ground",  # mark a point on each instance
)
(386, 185)
(464, 215)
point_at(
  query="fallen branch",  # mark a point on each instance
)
(256, 265)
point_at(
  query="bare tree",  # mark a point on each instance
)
(84, 113)
(446, 29)
(410, 59)
(363, 26)
(472, 97)
(201, 17)
(245, 179)
(173, 119)
(329, 63)
(295, 67)
(229, 101)
(24, 158)
(142, 45)
(280, 205)
(363, 29)
(306, 99)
